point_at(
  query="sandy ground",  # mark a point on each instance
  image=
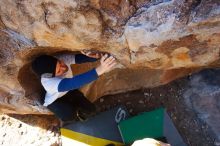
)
(29, 130)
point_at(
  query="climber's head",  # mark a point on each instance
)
(48, 66)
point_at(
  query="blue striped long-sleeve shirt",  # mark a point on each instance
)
(58, 86)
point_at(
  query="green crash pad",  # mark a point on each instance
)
(155, 124)
(149, 124)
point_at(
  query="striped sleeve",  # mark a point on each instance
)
(77, 81)
(80, 58)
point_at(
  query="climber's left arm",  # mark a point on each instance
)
(81, 58)
(87, 56)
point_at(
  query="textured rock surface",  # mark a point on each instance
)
(154, 41)
(202, 97)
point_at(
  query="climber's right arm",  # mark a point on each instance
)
(66, 84)
(77, 81)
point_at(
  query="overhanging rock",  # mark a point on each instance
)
(154, 42)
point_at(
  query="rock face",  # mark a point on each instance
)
(202, 97)
(155, 42)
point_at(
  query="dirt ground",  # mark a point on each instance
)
(170, 96)
(192, 130)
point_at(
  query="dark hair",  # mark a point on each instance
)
(44, 64)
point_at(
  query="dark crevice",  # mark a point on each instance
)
(193, 6)
(45, 18)
(2, 25)
(45, 6)
(32, 86)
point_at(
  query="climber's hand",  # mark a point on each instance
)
(92, 54)
(107, 63)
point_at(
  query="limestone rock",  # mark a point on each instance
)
(154, 42)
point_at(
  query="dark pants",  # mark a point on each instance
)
(65, 107)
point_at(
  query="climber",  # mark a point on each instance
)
(56, 77)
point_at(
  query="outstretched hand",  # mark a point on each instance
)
(107, 63)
